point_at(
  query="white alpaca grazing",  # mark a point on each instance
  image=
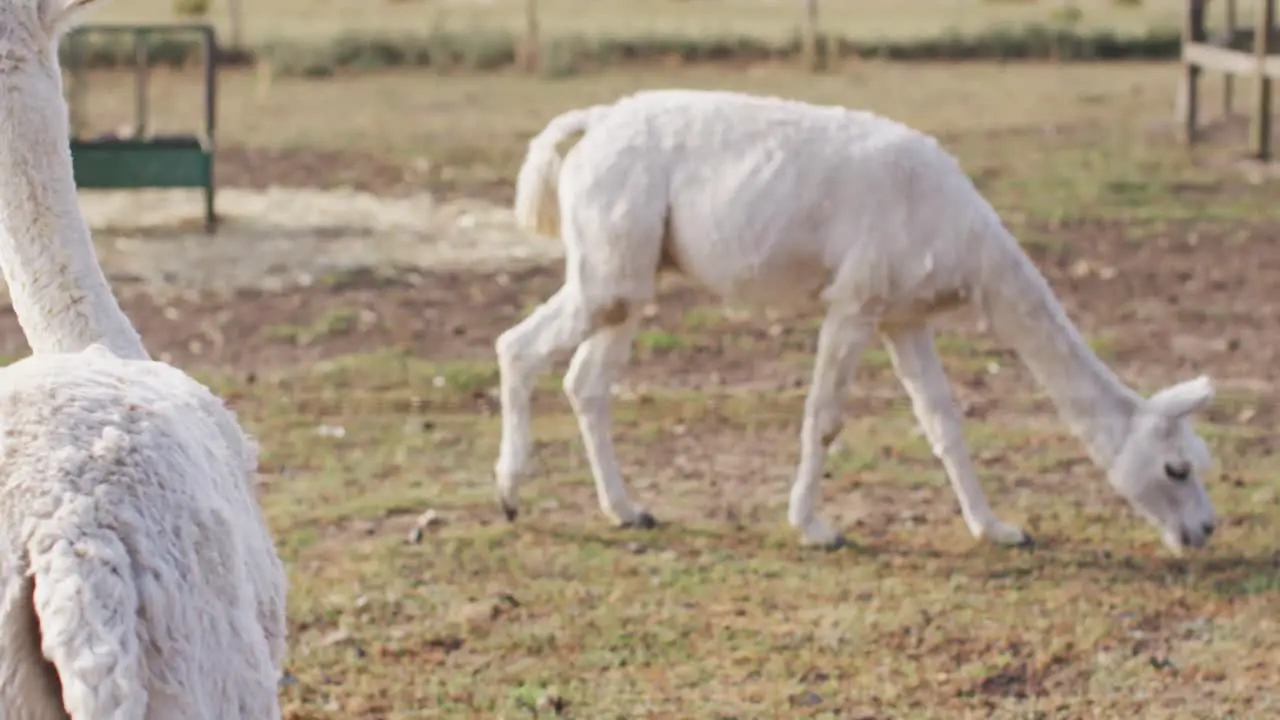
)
(773, 201)
(139, 580)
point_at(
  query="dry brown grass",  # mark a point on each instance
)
(719, 614)
(772, 19)
(470, 130)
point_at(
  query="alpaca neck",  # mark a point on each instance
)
(1022, 310)
(59, 292)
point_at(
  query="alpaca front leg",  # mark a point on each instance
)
(594, 368)
(840, 344)
(915, 359)
(524, 352)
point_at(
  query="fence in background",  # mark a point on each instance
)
(563, 37)
(1236, 52)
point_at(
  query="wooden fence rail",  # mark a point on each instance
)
(1230, 53)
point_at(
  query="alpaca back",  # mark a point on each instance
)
(775, 200)
(126, 496)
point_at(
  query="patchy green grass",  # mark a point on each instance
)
(1047, 143)
(660, 341)
(719, 613)
(334, 323)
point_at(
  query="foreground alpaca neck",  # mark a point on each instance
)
(59, 292)
(1023, 312)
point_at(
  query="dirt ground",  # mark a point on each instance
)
(402, 259)
(1198, 298)
(349, 315)
(1108, 285)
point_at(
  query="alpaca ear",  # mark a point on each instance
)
(58, 15)
(1201, 456)
(1177, 401)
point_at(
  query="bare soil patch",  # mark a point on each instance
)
(281, 236)
(1191, 299)
(262, 168)
(338, 256)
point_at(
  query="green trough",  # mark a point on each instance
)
(144, 160)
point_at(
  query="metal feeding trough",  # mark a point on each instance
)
(141, 159)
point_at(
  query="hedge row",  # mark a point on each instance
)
(490, 50)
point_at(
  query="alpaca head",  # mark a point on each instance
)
(29, 34)
(1158, 468)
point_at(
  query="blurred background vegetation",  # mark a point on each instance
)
(558, 37)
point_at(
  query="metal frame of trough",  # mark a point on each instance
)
(1228, 54)
(142, 159)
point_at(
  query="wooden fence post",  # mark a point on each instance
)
(532, 43)
(814, 56)
(236, 21)
(1261, 49)
(1192, 32)
(1229, 81)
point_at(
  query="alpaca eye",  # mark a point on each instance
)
(1179, 472)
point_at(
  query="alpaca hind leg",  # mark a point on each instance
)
(26, 677)
(592, 371)
(524, 352)
(840, 343)
(915, 359)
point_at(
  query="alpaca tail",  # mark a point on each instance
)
(537, 205)
(25, 676)
(87, 605)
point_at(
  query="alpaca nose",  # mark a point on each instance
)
(1192, 539)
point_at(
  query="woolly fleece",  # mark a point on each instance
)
(775, 202)
(157, 593)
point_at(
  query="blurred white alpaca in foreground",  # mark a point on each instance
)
(139, 581)
(778, 202)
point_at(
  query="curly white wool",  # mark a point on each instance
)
(780, 202)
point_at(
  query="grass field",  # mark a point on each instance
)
(373, 395)
(467, 133)
(308, 19)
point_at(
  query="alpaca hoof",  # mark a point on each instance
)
(504, 493)
(839, 542)
(1007, 535)
(642, 521)
(836, 542)
(817, 534)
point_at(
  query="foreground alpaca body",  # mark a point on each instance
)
(141, 581)
(771, 201)
(140, 552)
